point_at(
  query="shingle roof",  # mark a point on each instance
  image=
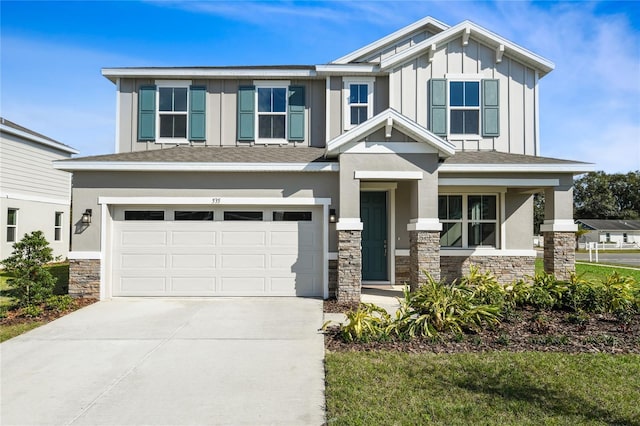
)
(611, 225)
(494, 157)
(231, 154)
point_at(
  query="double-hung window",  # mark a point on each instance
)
(12, 225)
(172, 111)
(57, 227)
(358, 101)
(468, 220)
(464, 106)
(272, 113)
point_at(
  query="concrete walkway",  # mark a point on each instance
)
(171, 362)
(385, 296)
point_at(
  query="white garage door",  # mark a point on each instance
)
(231, 251)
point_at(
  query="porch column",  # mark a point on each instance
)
(559, 230)
(349, 264)
(424, 230)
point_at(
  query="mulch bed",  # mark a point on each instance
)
(524, 330)
(15, 317)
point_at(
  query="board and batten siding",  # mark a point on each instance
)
(26, 170)
(221, 114)
(398, 47)
(408, 93)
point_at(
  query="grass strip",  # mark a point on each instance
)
(529, 388)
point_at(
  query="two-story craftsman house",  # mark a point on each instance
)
(418, 152)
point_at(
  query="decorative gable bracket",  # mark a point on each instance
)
(465, 35)
(499, 53)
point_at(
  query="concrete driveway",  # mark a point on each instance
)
(171, 362)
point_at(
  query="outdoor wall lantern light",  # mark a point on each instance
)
(332, 215)
(86, 216)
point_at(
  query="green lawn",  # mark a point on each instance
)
(9, 331)
(366, 388)
(596, 272)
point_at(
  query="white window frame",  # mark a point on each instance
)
(464, 78)
(14, 226)
(173, 84)
(275, 84)
(346, 94)
(57, 228)
(465, 221)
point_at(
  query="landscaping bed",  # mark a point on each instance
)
(526, 330)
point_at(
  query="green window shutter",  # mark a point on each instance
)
(197, 113)
(438, 106)
(490, 108)
(295, 117)
(246, 113)
(147, 113)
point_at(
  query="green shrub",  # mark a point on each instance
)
(546, 292)
(367, 322)
(59, 303)
(31, 311)
(30, 281)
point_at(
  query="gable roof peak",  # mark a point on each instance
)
(387, 40)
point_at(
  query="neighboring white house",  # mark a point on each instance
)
(33, 195)
(620, 232)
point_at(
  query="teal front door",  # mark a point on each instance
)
(373, 213)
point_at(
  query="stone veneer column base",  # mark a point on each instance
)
(560, 254)
(84, 278)
(403, 266)
(333, 278)
(424, 256)
(505, 268)
(349, 266)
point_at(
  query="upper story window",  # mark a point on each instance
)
(172, 111)
(464, 105)
(271, 112)
(12, 225)
(358, 101)
(468, 220)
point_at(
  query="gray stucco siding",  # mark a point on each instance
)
(89, 186)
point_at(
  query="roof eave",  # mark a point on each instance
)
(113, 74)
(175, 166)
(57, 145)
(573, 168)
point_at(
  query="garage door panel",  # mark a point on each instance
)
(240, 285)
(143, 261)
(193, 238)
(193, 285)
(190, 261)
(140, 285)
(243, 238)
(143, 238)
(217, 258)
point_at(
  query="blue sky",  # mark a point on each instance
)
(51, 54)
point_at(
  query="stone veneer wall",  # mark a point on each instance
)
(560, 254)
(84, 278)
(333, 278)
(424, 256)
(402, 270)
(506, 268)
(349, 265)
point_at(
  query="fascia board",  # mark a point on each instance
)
(114, 73)
(347, 69)
(380, 43)
(37, 139)
(575, 168)
(136, 166)
(485, 35)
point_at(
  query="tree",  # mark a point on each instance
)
(538, 212)
(31, 282)
(598, 195)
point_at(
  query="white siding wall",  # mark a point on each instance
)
(408, 93)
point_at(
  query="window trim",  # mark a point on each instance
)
(57, 228)
(173, 84)
(271, 84)
(346, 94)
(14, 226)
(465, 221)
(478, 108)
